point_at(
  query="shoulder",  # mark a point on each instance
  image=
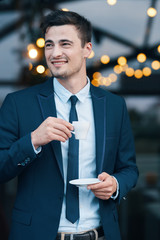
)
(111, 97)
(29, 92)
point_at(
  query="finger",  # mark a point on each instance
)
(103, 176)
(97, 186)
(62, 130)
(56, 133)
(103, 196)
(68, 125)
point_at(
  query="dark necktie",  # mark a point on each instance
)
(72, 193)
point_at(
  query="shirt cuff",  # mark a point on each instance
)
(38, 150)
(115, 195)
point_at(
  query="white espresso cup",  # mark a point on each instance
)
(80, 129)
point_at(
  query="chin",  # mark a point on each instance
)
(60, 75)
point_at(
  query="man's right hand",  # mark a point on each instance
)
(51, 129)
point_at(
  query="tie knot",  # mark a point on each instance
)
(73, 99)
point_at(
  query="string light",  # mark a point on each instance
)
(117, 69)
(138, 74)
(105, 59)
(155, 65)
(130, 72)
(91, 55)
(106, 81)
(95, 82)
(122, 61)
(113, 77)
(141, 57)
(111, 2)
(30, 66)
(65, 9)
(40, 42)
(97, 75)
(151, 12)
(40, 69)
(146, 71)
(33, 53)
(158, 48)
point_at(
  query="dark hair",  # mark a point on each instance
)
(59, 17)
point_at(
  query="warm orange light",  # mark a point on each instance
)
(30, 66)
(158, 48)
(48, 72)
(106, 81)
(138, 73)
(95, 82)
(97, 75)
(124, 68)
(155, 65)
(40, 69)
(105, 59)
(117, 69)
(91, 55)
(40, 42)
(146, 71)
(122, 61)
(130, 72)
(151, 12)
(113, 77)
(141, 57)
(30, 46)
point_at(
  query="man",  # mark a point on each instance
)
(35, 132)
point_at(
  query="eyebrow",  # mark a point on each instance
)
(61, 41)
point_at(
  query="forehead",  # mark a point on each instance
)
(62, 32)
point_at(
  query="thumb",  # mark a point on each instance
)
(103, 176)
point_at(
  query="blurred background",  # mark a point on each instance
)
(125, 60)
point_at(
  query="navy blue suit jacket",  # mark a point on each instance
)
(38, 204)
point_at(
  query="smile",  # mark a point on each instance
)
(58, 63)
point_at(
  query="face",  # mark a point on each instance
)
(63, 51)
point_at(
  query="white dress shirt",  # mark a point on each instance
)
(88, 203)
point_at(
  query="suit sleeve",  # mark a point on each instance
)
(15, 152)
(126, 171)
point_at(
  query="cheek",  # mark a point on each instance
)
(47, 55)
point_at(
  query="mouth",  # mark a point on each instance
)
(58, 63)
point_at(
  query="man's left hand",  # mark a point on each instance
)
(106, 188)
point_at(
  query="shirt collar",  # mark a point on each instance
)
(64, 94)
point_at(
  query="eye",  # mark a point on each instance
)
(48, 45)
(66, 44)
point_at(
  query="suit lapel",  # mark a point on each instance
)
(48, 108)
(99, 109)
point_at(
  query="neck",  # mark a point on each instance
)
(74, 84)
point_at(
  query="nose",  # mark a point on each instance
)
(57, 52)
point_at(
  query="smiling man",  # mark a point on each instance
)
(38, 146)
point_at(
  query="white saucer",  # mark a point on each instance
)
(83, 182)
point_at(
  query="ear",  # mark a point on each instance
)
(87, 49)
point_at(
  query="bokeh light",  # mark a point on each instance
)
(122, 61)
(111, 2)
(141, 57)
(130, 72)
(33, 53)
(40, 69)
(105, 59)
(151, 12)
(91, 55)
(138, 73)
(155, 65)
(146, 71)
(40, 42)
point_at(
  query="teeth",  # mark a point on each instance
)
(58, 63)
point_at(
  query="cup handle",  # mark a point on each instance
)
(73, 132)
